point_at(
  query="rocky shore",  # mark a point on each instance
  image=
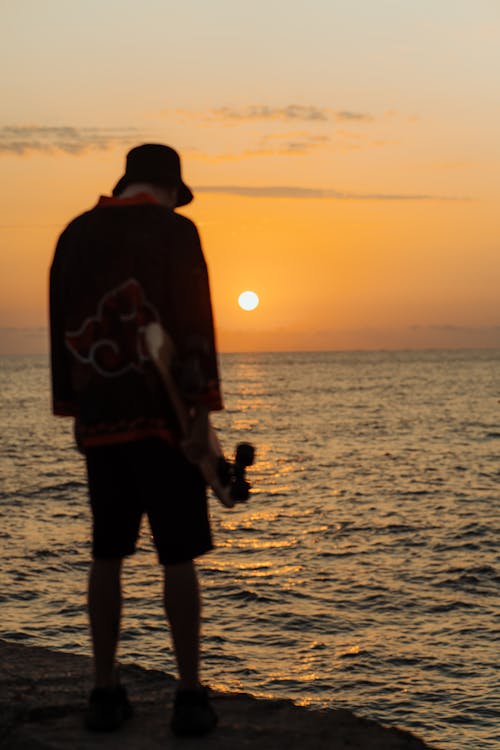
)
(43, 695)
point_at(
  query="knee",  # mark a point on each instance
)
(108, 568)
(180, 572)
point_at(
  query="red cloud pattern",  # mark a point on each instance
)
(112, 341)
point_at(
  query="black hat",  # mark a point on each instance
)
(157, 164)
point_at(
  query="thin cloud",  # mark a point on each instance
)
(455, 329)
(287, 144)
(288, 113)
(358, 339)
(264, 112)
(22, 140)
(352, 116)
(283, 191)
(29, 332)
(294, 142)
(301, 134)
(290, 148)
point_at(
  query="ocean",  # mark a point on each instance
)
(364, 571)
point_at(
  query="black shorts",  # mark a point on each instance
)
(147, 476)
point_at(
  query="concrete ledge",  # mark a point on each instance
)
(43, 695)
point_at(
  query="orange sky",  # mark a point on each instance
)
(345, 163)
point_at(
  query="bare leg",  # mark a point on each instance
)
(104, 603)
(182, 607)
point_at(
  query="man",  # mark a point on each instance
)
(129, 261)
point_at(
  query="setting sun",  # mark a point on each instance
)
(248, 300)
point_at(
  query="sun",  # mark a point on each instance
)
(248, 300)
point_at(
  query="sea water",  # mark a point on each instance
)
(364, 571)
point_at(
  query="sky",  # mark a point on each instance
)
(344, 156)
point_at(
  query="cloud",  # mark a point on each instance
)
(275, 144)
(21, 140)
(345, 115)
(293, 144)
(35, 340)
(288, 113)
(264, 112)
(301, 134)
(25, 340)
(25, 332)
(359, 339)
(285, 191)
(450, 328)
(289, 143)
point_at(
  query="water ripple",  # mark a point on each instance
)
(364, 571)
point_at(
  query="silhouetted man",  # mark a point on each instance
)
(127, 262)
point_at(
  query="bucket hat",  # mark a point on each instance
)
(157, 164)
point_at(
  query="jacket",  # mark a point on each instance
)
(117, 267)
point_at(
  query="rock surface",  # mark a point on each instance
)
(43, 695)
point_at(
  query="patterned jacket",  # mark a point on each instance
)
(116, 268)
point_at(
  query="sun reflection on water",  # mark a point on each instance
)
(364, 560)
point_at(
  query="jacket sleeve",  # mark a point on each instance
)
(63, 397)
(198, 373)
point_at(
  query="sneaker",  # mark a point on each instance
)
(108, 708)
(193, 714)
